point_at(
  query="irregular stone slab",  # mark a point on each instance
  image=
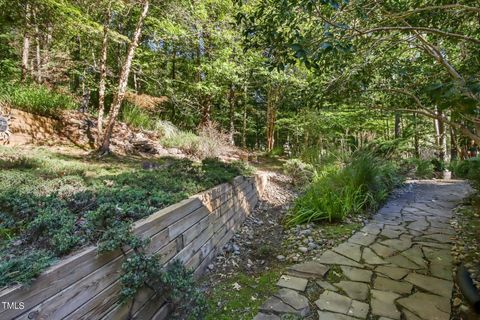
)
(385, 284)
(310, 269)
(263, 316)
(402, 262)
(441, 270)
(356, 274)
(433, 245)
(349, 250)
(438, 255)
(276, 305)
(447, 231)
(415, 254)
(427, 306)
(294, 300)
(355, 290)
(331, 301)
(370, 257)
(382, 250)
(383, 304)
(398, 244)
(434, 285)
(420, 225)
(291, 282)
(323, 315)
(330, 257)
(392, 272)
(409, 315)
(362, 238)
(372, 228)
(391, 233)
(327, 286)
(443, 238)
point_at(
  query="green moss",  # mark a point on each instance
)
(338, 230)
(227, 303)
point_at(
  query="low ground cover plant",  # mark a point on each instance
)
(361, 182)
(51, 203)
(35, 98)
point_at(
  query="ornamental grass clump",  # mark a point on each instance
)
(361, 183)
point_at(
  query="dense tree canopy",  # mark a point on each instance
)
(268, 72)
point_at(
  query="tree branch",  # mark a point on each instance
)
(424, 29)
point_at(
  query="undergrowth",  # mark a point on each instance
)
(34, 98)
(363, 181)
(52, 203)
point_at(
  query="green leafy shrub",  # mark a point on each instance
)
(467, 169)
(36, 99)
(63, 202)
(136, 117)
(301, 173)
(25, 267)
(364, 182)
(421, 169)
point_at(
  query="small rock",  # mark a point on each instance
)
(303, 249)
(211, 266)
(457, 302)
(280, 258)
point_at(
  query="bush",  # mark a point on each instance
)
(36, 99)
(467, 169)
(336, 192)
(54, 203)
(209, 143)
(301, 173)
(421, 169)
(136, 117)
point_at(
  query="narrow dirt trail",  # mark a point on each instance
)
(399, 266)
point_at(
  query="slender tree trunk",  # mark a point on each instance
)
(174, 63)
(271, 117)
(46, 60)
(26, 44)
(37, 50)
(397, 125)
(231, 103)
(244, 127)
(441, 137)
(415, 136)
(123, 80)
(103, 76)
(453, 145)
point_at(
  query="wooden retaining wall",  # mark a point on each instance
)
(86, 285)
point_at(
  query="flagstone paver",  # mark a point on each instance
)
(398, 266)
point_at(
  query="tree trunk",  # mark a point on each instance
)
(123, 80)
(38, 74)
(174, 63)
(26, 44)
(397, 125)
(231, 103)
(415, 136)
(441, 136)
(244, 127)
(46, 60)
(103, 76)
(271, 117)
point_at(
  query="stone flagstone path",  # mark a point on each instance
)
(399, 266)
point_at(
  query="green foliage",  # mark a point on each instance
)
(467, 169)
(25, 267)
(226, 303)
(364, 182)
(36, 99)
(57, 203)
(136, 117)
(422, 169)
(301, 173)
